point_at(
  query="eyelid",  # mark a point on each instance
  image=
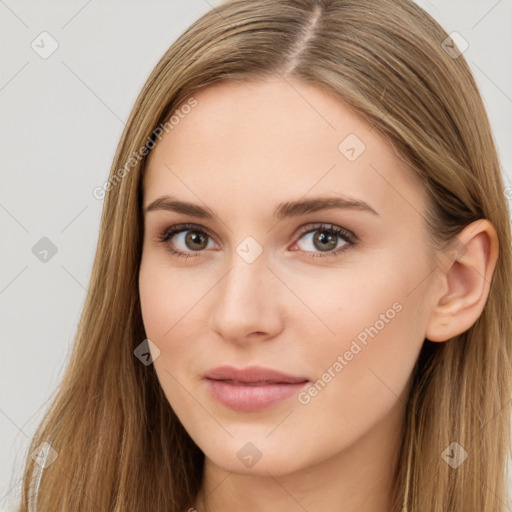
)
(313, 226)
(175, 229)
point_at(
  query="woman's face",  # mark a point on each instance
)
(267, 280)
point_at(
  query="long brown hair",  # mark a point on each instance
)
(120, 446)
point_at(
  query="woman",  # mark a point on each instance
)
(301, 290)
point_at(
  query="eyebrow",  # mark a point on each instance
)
(283, 210)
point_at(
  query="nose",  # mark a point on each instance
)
(249, 302)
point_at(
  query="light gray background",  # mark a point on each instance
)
(61, 120)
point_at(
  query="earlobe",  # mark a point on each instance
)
(466, 271)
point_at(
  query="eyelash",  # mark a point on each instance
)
(348, 237)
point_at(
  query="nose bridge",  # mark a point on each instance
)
(246, 301)
(246, 281)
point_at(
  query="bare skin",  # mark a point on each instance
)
(243, 150)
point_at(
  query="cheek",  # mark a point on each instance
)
(153, 298)
(378, 321)
(347, 301)
(166, 296)
(172, 315)
(165, 312)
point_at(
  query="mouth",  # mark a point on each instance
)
(253, 388)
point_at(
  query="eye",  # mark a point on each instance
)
(192, 237)
(324, 237)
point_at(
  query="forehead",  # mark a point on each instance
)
(251, 145)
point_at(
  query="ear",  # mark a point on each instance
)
(466, 269)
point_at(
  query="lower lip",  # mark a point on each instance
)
(251, 398)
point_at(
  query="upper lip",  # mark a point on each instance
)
(252, 374)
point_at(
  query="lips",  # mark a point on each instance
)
(252, 388)
(253, 374)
